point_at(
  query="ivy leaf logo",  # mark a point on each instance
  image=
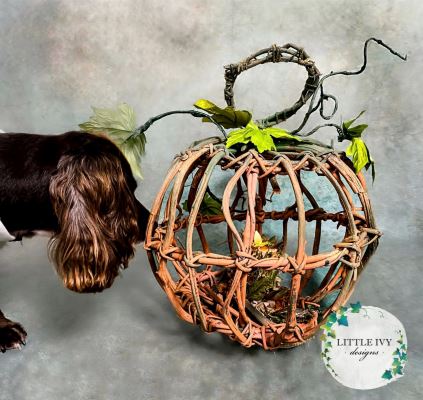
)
(398, 370)
(396, 362)
(343, 320)
(387, 374)
(343, 310)
(332, 334)
(332, 318)
(355, 307)
(326, 327)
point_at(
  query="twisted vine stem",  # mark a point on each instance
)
(195, 113)
(313, 88)
(323, 96)
(287, 53)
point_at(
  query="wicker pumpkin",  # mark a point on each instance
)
(209, 284)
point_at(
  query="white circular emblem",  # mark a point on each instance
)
(364, 347)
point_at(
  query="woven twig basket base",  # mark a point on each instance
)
(210, 289)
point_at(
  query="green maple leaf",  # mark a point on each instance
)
(119, 125)
(262, 138)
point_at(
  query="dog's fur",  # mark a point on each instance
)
(80, 188)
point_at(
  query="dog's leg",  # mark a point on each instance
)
(12, 334)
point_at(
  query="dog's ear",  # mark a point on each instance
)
(98, 220)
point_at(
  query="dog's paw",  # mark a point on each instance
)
(12, 335)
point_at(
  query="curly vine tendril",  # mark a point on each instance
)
(313, 89)
(319, 104)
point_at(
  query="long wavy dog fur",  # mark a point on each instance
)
(80, 189)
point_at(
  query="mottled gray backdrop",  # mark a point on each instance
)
(59, 57)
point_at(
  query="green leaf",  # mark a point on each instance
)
(238, 136)
(343, 310)
(119, 125)
(262, 284)
(208, 206)
(371, 164)
(228, 117)
(355, 307)
(323, 337)
(133, 149)
(262, 140)
(343, 320)
(281, 134)
(332, 334)
(403, 356)
(358, 149)
(332, 318)
(387, 374)
(396, 362)
(348, 123)
(357, 130)
(359, 153)
(398, 370)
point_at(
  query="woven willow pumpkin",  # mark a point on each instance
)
(208, 283)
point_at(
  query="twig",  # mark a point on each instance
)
(323, 96)
(195, 113)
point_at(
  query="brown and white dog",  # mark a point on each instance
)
(79, 188)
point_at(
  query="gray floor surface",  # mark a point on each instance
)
(127, 343)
